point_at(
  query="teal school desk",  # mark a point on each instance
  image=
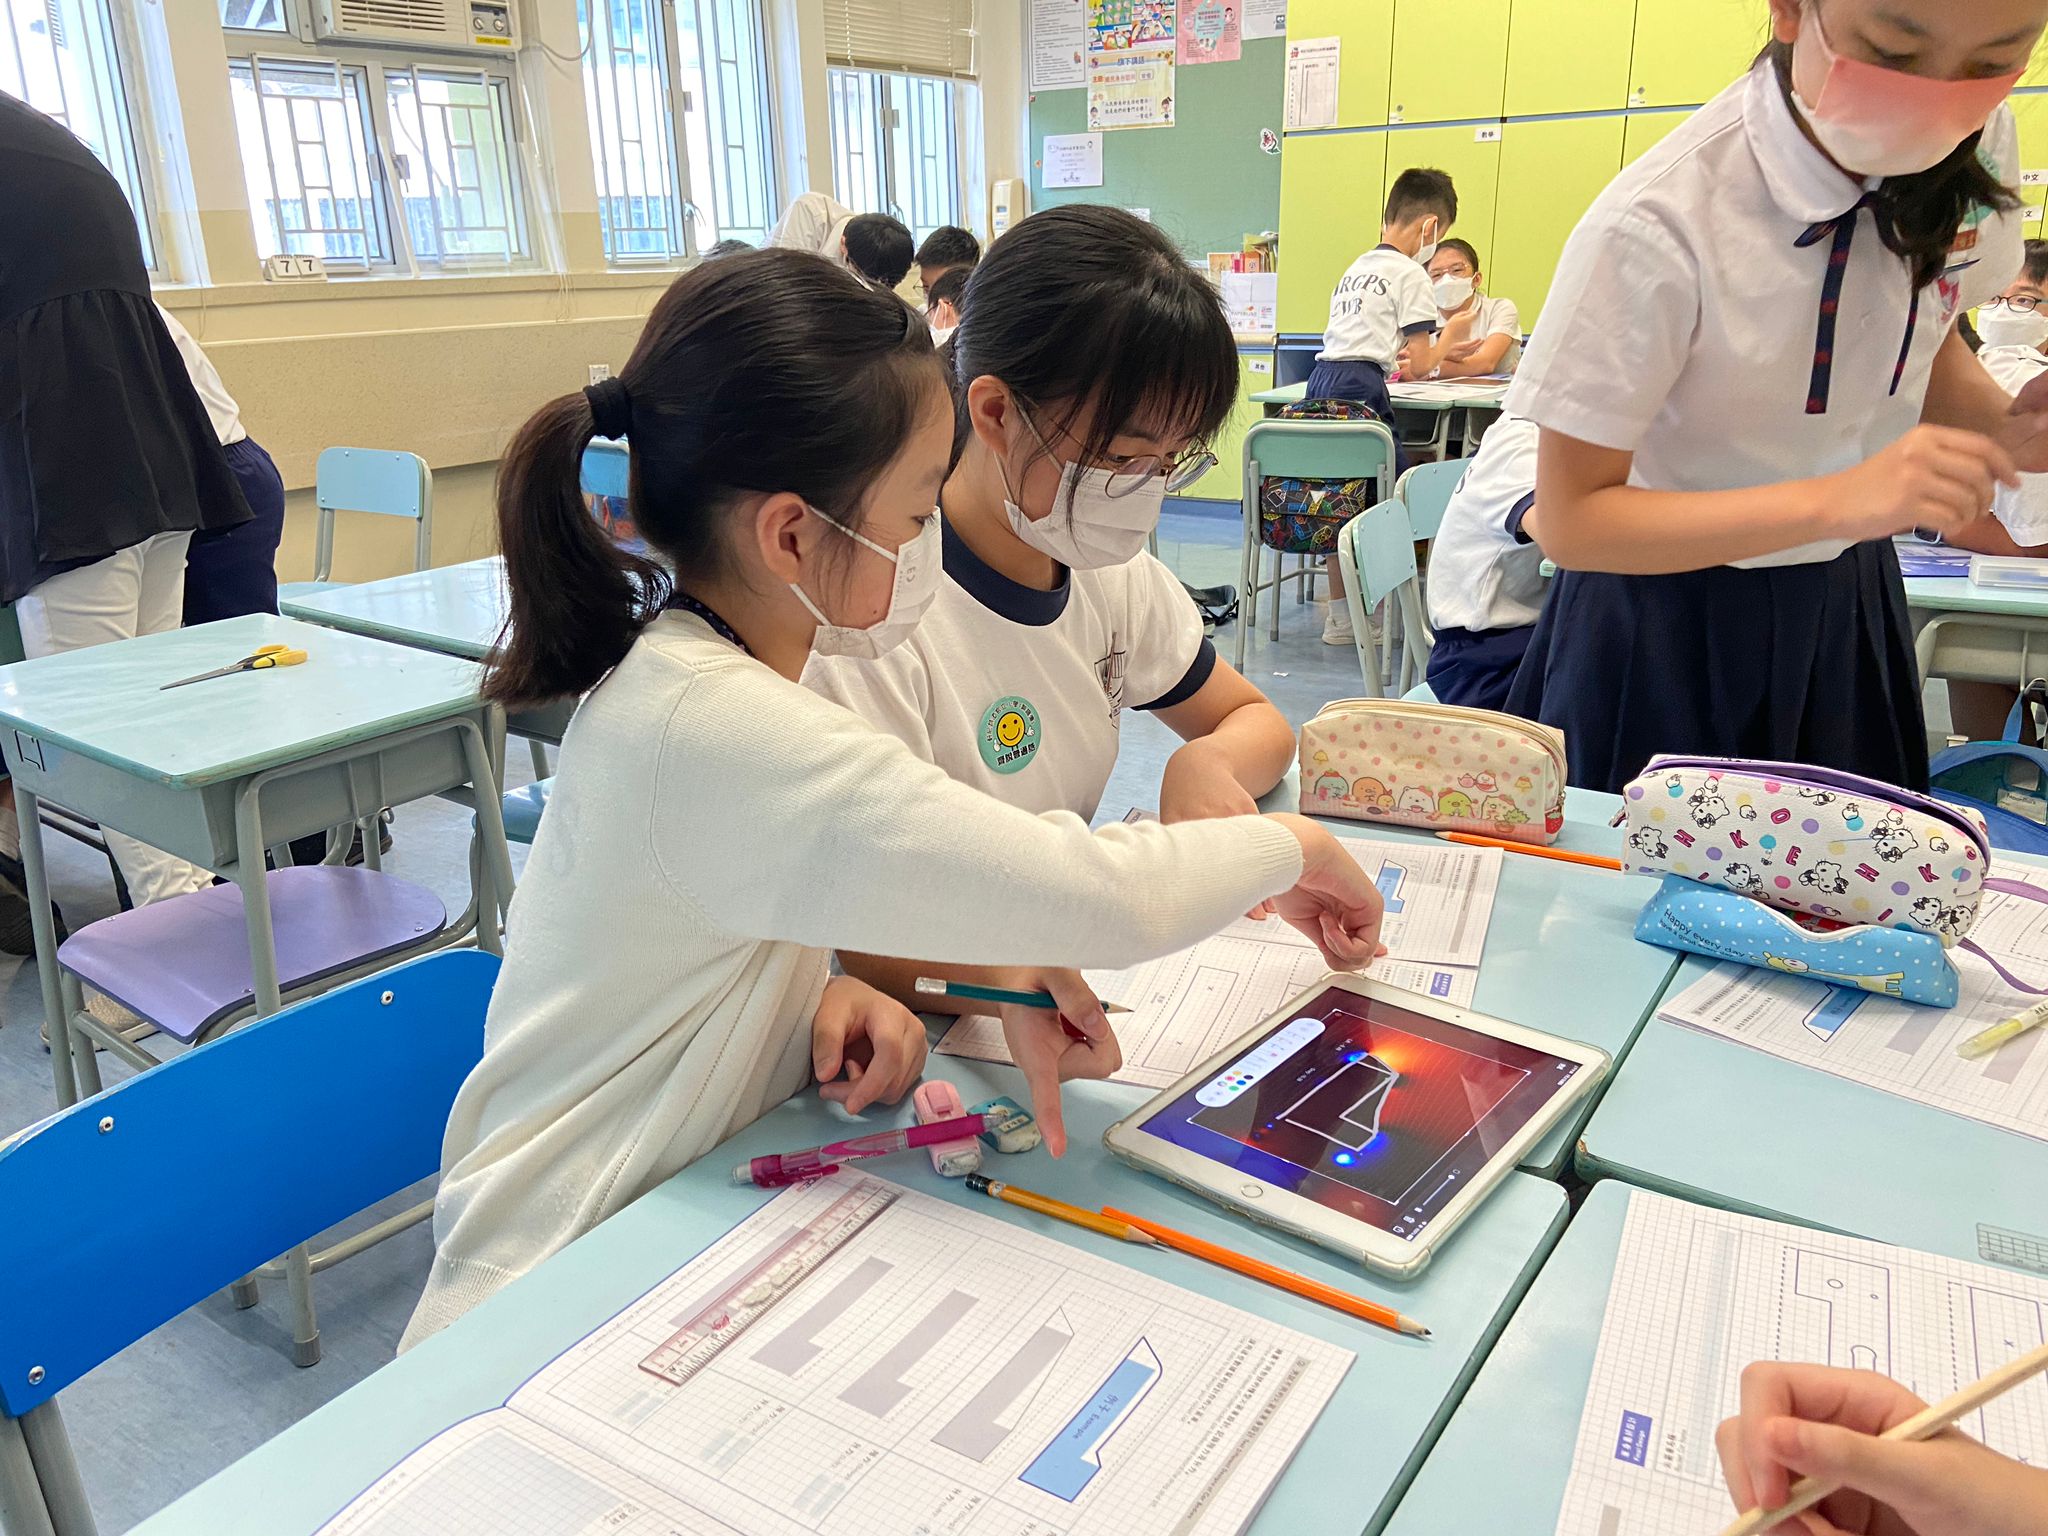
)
(1711, 1120)
(1561, 953)
(1502, 1462)
(218, 771)
(1983, 634)
(456, 610)
(1345, 1479)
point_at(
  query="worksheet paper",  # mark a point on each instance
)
(1699, 1294)
(1899, 1047)
(1191, 1004)
(1059, 41)
(941, 1370)
(1311, 99)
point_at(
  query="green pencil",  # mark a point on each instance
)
(938, 986)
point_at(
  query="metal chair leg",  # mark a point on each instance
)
(49, 1447)
(23, 1511)
(298, 1273)
(541, 767)
(85, 1060)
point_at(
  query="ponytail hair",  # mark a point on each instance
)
(761, 372)
(1919, 216)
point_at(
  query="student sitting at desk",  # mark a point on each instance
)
(1092, 362)
(1382, 303)
(1817, 1421)
(715, 828)
(1478, 333)
(1486, 580)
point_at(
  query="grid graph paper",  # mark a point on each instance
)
(940, 1371)
(1699, 1294)
(1902, 1048)
(497, 1475)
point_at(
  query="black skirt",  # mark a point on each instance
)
(1799, 663)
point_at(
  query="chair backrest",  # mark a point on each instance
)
(381, 480)
(1317, 450)
(1426, 490)
(1381, 545)
(604, 468)
(129, 1207)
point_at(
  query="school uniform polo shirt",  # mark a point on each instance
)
(1021, 693)
(1484, 573)
(1382, 300)
(1727, 313)
(2014, 367)
(1497, 317)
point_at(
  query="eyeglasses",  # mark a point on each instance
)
(1131, 473)
(2019, 303)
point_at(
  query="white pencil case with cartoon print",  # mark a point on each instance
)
(1436, 766)
(1814, 840)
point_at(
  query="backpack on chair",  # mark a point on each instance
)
(1301, 517)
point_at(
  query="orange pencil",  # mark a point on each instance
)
(1534, 850)
(1273, 1275)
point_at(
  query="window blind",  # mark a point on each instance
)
(924, 37)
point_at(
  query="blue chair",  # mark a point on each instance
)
(1301, 450)
(1426, 490)
(523, 808)
(126, 1209)
(379, 480)
(1376, 551)
(604, 468)
(1421, 693)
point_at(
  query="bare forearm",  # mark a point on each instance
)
(898, 979)
(1486, 360)
(1630, 531)
(1961, 393)
(1255, 743)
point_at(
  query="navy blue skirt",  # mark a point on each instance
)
(1367, 384)
(1476, 667)
(1800, 663)
(233, 571)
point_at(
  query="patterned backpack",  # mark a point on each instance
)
(1301, 517)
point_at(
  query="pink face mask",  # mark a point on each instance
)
(1884, 122)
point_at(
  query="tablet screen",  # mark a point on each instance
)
(1365, 1107)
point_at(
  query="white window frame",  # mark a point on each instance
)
(378, 66)
(871, 171)
(117, 108)
(725, 80)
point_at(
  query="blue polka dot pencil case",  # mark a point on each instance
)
(1812, 840)
(1725, 925)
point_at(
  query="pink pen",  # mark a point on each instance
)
(781, 1168)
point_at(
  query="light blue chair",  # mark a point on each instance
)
(1426, 490)
(380, 480)
(1421, 693)
(126, 1209)
(1376, 551)
(604, 468)
(523, 808)
(1301, 450)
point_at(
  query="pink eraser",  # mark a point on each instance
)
(938, 1100)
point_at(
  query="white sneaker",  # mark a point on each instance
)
(1337, 624)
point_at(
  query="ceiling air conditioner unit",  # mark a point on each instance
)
(469, 26)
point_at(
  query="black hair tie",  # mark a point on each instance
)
(611, 407)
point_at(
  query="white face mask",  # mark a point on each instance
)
(2003, 327)
(1428, 248)
(918, 567)
(1451, 292)
(1088, 529)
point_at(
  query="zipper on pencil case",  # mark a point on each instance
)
(1811, 777)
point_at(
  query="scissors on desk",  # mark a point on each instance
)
(265, 657)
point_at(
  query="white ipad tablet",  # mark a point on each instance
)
(1361, 1117)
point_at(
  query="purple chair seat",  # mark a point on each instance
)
(183, 964)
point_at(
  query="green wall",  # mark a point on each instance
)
(1205, 179)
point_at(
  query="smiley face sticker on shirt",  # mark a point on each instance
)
(1009, 735)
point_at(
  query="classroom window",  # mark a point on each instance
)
(60, 57)
(722, 67)
(896, 146)
(627, 58)
(315, 188)
(376, 162)
(454, 165)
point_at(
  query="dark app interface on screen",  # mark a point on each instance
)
(1366, 1108)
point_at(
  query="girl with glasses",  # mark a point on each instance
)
(1091, 365)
